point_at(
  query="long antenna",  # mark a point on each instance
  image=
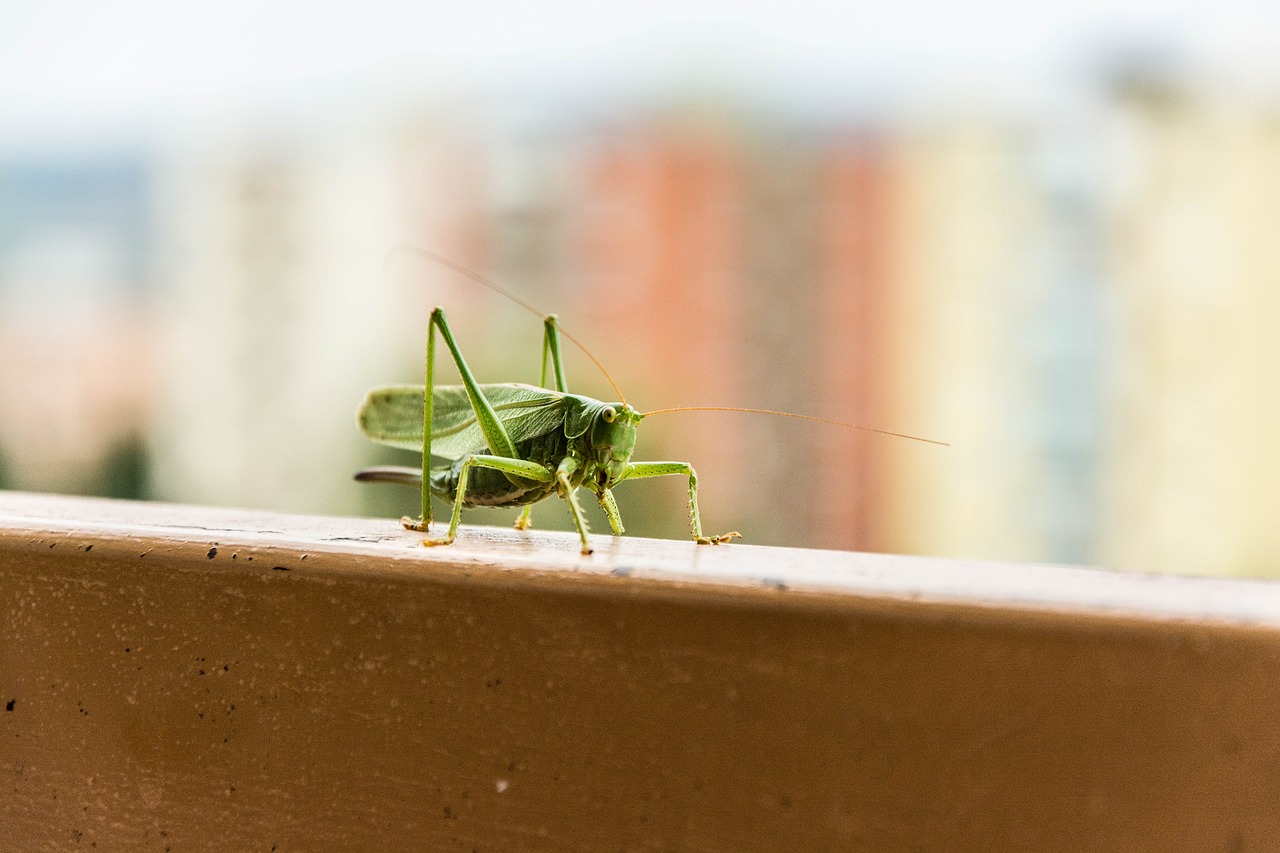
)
(407, 248)
(793, 415)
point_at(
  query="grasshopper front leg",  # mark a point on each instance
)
(609, 505)
(641, 470)
(564, 471)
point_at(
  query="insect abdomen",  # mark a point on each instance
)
(488, 487)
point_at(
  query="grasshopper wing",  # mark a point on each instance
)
(393, 415)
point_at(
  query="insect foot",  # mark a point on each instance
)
(418, 525)
(443, 540)
(719, 540)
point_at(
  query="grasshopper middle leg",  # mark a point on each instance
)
(518, 467)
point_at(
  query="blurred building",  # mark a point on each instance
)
(1194, 260)
(1081, 303)
(76, 326)
(658, 258)
(279, 313)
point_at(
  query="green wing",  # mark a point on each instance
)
(393, 415)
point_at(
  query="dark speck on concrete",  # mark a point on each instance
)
(8, 706)
(213, 552)
(621, 571)
(279, 568)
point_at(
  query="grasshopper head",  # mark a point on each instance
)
(613, 439)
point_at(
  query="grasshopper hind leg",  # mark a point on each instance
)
(525, 521)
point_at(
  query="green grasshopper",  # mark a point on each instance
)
(512, 445)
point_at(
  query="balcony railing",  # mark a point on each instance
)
(189, 678)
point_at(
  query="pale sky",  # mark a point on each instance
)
(72, 65)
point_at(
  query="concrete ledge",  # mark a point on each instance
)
(193, 678)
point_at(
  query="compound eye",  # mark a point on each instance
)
(609, 414)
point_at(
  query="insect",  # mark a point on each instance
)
(512, 445)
